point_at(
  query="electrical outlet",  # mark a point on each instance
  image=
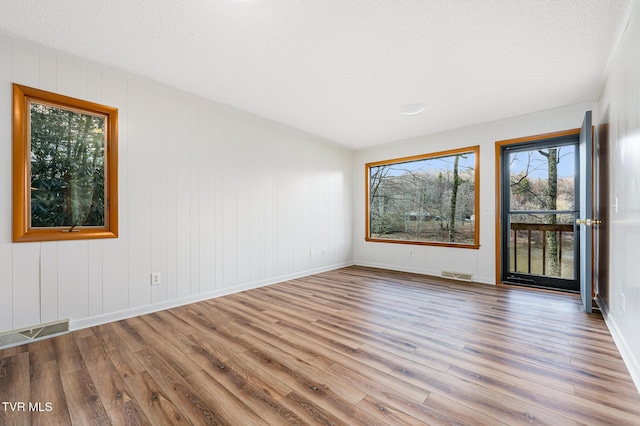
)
(410, 252)
(155, 278)
(324, 252)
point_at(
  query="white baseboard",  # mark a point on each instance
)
(78, 324)
(630, 359)
(398, 268)
(428, 272)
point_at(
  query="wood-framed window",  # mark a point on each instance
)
(65, 167)
(430, 199)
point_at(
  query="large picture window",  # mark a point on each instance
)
(64, 167)
(429, 199)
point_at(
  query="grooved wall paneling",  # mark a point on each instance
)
(618, 125)
(6, 251)
(49, 281)
(115, 253)
(210, 197)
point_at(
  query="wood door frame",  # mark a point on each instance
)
(498, 187)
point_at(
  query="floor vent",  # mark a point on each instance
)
(32, 334)
(456, 275)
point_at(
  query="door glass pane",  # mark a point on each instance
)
(542, 244)
(543, 179)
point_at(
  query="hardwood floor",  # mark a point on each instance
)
(352, 346)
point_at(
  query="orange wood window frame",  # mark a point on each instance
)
(22, 231)
(476, 237)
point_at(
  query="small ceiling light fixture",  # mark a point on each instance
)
(412, 109)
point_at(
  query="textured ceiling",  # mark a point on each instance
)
(341, 69)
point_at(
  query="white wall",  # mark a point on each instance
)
(213, 199)
(432, 260)
(618, 122)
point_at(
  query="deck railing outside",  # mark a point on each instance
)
(544, 228)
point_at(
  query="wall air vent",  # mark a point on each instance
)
(32, 334)
(456, 275)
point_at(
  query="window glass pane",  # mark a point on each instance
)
(426, 199)
(67, 165)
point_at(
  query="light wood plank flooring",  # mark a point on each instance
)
(347, 347)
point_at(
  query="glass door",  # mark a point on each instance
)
(540, 207)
